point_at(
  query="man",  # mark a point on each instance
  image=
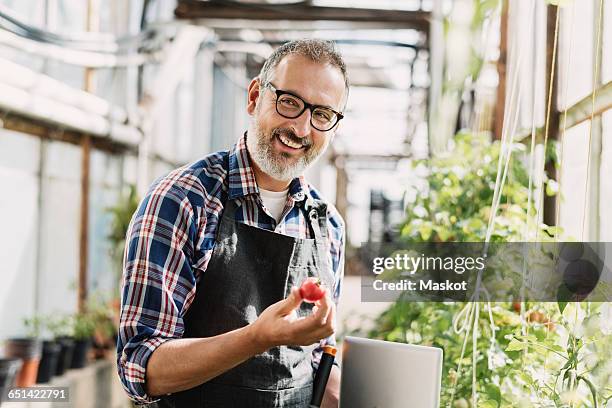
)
(211, 313)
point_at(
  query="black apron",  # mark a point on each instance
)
(250, 269)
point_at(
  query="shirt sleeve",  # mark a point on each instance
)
(158, 281)
(337, 234)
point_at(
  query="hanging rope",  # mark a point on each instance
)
(467, 319)
(531, 169)
(563, 132)
(469, 315)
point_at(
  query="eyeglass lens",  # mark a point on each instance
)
(291, 107)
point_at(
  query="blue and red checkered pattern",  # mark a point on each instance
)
(170, 242)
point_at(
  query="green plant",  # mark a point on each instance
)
(83, 325)
(34, 325)
(59, 325)
(121, 215)
(540, 361)
(102, 316)
(576, 369)
(453, 203)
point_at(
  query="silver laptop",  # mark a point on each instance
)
(382, 374)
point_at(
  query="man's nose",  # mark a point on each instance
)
(301, 124)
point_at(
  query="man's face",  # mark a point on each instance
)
(283, 148)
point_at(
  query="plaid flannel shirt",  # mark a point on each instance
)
(170, 241)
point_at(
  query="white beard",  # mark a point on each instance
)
(274, 164)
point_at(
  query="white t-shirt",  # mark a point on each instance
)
(274, 201)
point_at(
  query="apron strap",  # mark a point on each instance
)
(316, 217)
(229, 209)
(316, 213)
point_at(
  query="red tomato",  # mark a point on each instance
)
(311, 290)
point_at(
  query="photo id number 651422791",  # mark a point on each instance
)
(41, 394)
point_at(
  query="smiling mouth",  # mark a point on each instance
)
(289, 143)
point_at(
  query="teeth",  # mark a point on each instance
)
(289, 142)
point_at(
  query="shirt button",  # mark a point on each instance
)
(299, 196)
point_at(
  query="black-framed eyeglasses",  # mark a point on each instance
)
(291, 106)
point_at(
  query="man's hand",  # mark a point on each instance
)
(169, 371)
(332, 391)
(279, 325)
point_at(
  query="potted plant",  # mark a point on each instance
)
(59, 326)
(50, 349)
(28, 350)
(105, 332)
(121, 216)
(48, 363)
(82, 330)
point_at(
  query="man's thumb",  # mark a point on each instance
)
(291, 303)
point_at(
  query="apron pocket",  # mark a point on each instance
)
(230, 396)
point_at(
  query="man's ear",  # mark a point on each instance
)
(253, 95)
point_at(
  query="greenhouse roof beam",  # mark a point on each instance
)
(194, 9)
(45, 128)
(296, 25)
(578, 113)
(581, 111)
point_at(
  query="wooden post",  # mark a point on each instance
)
(550, 202)
(84, 223)
(501, 73)
(89, 86)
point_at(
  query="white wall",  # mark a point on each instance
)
(60, 220)
(39, 245)
(573, 177)
(577, 62)
(19, 162)
(104, 193)
(41, 253)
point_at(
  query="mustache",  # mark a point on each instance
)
(290, 134)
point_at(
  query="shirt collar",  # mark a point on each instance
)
(242, 177)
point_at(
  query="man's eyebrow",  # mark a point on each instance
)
(304, 99)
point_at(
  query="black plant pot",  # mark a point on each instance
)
(65, 355)
(79, 356)
(8, 372)
(48, 363)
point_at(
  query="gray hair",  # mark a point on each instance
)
(321, 51)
